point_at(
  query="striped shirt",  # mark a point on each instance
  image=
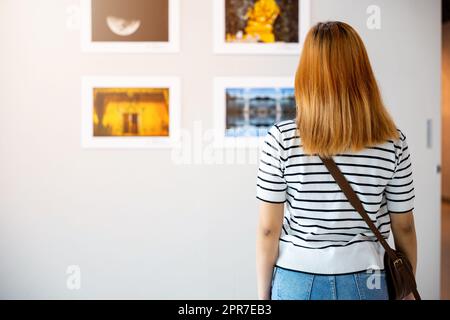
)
(322, 233)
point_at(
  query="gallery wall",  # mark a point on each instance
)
(138, 224)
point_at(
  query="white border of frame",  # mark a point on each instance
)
(222, 47)
(87, 137)
(220, 85)
(172, 46)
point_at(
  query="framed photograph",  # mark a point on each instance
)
(130, 26)
(246, 108)
(130, 112)
(260, 26)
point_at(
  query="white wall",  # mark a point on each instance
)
(138, 225)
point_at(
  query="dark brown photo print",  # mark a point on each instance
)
(130, 20)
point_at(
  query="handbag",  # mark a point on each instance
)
(399, 273)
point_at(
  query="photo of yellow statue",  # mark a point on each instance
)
(260, 19)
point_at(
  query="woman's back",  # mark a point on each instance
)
(322, 233)
(319, 243)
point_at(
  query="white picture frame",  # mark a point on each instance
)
(88, 140)
(170, 46)
(223, 47)
(221, 84)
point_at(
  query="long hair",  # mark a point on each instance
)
(339, 105)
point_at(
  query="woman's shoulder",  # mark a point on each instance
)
(399, 143)
(400, 138)
(393, 149)
(285, 128)
(284, 132)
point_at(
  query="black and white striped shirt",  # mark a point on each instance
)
(322, 233)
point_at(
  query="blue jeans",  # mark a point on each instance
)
(295, 285)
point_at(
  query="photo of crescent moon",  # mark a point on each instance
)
(122, 27)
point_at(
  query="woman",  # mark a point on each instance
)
(311, 243)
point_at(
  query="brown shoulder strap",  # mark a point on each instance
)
(355, 202)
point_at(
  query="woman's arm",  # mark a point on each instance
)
(267, 241)
(405, 238)
(404, 233)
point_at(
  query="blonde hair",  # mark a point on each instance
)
(339, 105)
